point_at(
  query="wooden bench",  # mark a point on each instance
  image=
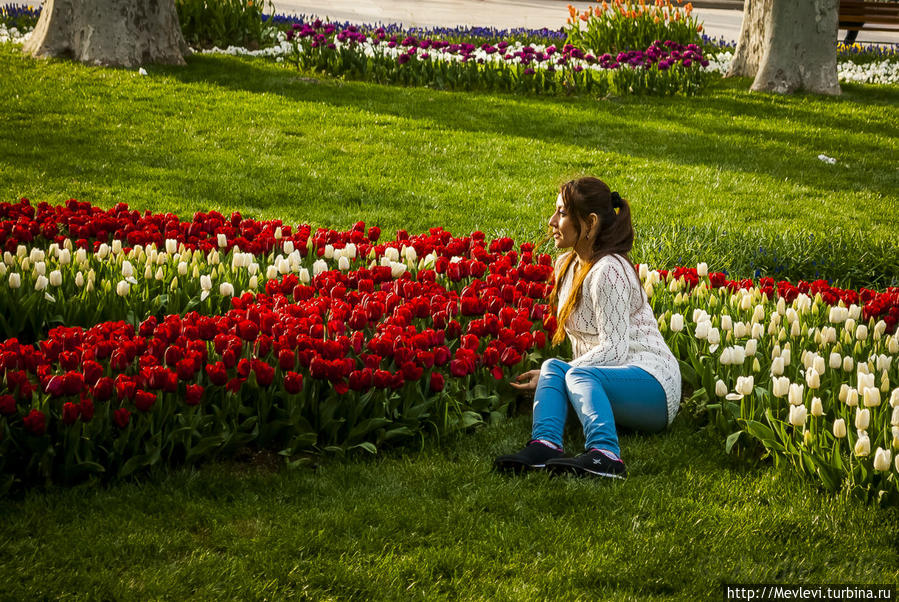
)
(856, 15)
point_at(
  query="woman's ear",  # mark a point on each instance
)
(593, 224)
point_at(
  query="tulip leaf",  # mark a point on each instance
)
(731, 440)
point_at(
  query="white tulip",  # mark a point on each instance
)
(411, 254)
(116, 247)
(319, 267)
(862, 419)
(786, 355)
(288, 247)
(271, 273)
(781, 386)
(813, 379)
(21, 251)
(848, 363)
(893, 347)
(882, 459)
(278, 233)
(798, 415)
(79, 279)
(894, 398)
(122, 288)
(757, 331)
(720, 388)
(745, 385)
(304, 276)
(171, 246)
(844, 392)
(65, 257)
(852, 398)
(206, 282)
(127, 269)
(796, 393)
(37, 255)
(702, 269)
(40, 268)
(861, 332)
(677, 322)
(862, 445)
(726, 357)
(817, 408)
(254, 282)
(41, 283)
(643, 271)
(727, 322)
(794, 329)
(839, 428)
(740, 330)
(894, 419)
(714, 336)
(751, 347)
(835, 361)
(702, 330)
(738, 355)
(838, 314)
(818, 364)
(777, 366)
(699, 315)
(148, 272)
(226, 289)
(883, 363)
(392, 254)
(55, 278)
(855, 311)
(283, 265)
(745, 302)
(15, 280)
(397, 269)
(865, 379)
(872, 397)
(222, 240)
(343, 264)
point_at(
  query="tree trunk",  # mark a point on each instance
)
(121, 33)
(789, 45)
(749, 51)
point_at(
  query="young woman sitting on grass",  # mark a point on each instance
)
(622, 371)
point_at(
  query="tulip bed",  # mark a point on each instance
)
(197, 338)
(792, 368)
(662, 68)
(340, 342)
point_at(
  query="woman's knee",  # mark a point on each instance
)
(554, 366)
(579, 375)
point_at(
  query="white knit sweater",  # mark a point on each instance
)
(613, 325)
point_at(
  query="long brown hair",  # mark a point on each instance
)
(615, 235)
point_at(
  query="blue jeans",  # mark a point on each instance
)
(601, 396)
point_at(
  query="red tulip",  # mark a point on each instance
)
(70, 412)
(194, 394)
(36, 422)
(121, 417)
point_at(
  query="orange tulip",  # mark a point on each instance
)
(584, 17)
(676, 16)
(689, 8)
(605, 6)
(656, 19)
(699, 28)
(572, 11)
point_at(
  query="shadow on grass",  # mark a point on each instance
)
(689, 131)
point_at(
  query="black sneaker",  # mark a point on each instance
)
(532, 457)
(593, 463)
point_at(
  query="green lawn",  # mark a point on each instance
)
(232, 133)
(237, 134)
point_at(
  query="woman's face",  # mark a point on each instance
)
(564, 228)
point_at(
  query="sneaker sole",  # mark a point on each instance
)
(517, 467)
(580, 471)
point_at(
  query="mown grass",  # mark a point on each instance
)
(438, 524)
(235, 134)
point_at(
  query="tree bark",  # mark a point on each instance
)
(789, 45)
(121, 33)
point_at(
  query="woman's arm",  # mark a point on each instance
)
(610, 293)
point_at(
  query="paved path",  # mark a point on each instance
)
(502, 14)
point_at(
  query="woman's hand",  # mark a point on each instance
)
(526, 381)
